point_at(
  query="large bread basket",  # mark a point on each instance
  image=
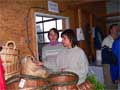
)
(31, 83)
(63, 81)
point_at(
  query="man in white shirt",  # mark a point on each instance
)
(108, 41)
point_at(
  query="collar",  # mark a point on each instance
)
(54, 43)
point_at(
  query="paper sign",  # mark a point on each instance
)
(53, 7)
(80, 35)
(93, 34)
(98, 57)
(22, 83)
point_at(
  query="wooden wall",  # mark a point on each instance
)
(17, 17)
(91, 14)
(17, 22)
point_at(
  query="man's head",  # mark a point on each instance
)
(113, 30)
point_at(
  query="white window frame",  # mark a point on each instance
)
(67, 24)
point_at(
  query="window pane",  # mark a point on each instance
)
(38, 19)
(59, 24)
(49, 25)
(60, 39)
(46, 18)
(46, 37)
(40, 38)
(39, 27)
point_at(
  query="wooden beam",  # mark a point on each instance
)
(113, 20)
(111, 14)
(76, 3)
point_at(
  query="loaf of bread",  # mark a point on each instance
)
(31, 68)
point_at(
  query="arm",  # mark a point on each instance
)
(82, 66)
(43, 54)
(79, 65)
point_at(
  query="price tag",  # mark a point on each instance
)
(22, 83)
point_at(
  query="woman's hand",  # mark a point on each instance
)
(39, 63)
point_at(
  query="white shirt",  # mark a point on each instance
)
(108, 41)
(73, 60)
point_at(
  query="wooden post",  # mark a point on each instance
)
(80, 18)
(91, 37)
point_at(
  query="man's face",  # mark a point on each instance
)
(114, 30)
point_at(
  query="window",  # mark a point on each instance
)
(44, 24)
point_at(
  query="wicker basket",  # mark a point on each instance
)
(87, 85)
(12, 83)
(63, 81)
(31, 83)
(10, 59)
(35, 82)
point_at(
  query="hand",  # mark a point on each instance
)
(117, 81)
(63, 69)
(39, 63)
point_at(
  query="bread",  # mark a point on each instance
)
(31, 68)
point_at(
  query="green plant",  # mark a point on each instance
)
(97, 84)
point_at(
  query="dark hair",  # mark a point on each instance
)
(1, 48)
(71, 36)
(54, 30)
(111, 26)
